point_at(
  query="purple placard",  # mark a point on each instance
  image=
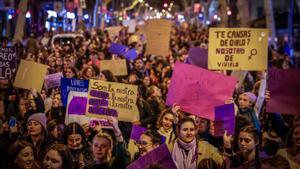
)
(198, 57)
(160, 156)
(117, 49)
(99, 94)
(8, 63)
(131, 54)
(224, 119)
(77, 105)
(285, 91)
(136, 132)
(53, 80)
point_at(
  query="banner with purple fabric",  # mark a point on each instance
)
(224, 119)
(159, 157)
(198, 57)
(285, 91)
(117, 49)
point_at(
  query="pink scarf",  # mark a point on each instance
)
(182, 159)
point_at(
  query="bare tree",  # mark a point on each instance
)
(270, 20)
(19, 31)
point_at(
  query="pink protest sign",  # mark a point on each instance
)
(198, 91)
(285, 91)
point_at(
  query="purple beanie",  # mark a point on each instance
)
(251, 96)
(41, 118)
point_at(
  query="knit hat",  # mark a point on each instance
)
(251, 96)
(39, 117)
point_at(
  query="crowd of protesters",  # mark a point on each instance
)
(41, 139)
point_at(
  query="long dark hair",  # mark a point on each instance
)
(256, 135)
(64, 153)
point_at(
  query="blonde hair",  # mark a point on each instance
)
(109, 138)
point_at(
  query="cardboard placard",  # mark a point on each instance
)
(53, 80)
(158, 34)
(30, 75)
(112, 99)
(117, 67)
(224, 119)
(237, 49)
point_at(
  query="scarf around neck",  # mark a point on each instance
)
(184, 154)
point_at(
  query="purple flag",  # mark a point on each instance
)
(160, 157)
(285, 91)
(117, 49)
(136, 132)
(8, 63)
(77, 105)
(131, 54)
(224, 119)
(198, 57)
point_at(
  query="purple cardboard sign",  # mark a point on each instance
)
(136, 132)
(53, 80)
(77, 105)
(285, 91)
(131, 54)
(160, 156)
(117, 49)
(224, 119)
(198, 91)
(198, 57)
(8, 63)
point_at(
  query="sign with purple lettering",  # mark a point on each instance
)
(8, 63)
(131, 54)
(224, 119)
(76, 108)
(117, 49)
(136, 132)
(198, 91)
(198, 57)
(285, 91)
(68, 85)
(53, 80)
(159, 157)
(112, 99)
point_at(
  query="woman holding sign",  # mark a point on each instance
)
(187, 151)
(248, 155)
(102, 149)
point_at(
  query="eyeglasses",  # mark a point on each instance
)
(140, 143)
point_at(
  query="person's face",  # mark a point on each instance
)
(34, 128)
(139, 64)
(89, 73)
(132, 79)
(296, 136)
(244, 101)
(69, 73)
(60, 130)
(202, 125)
(147, 81)
(54, 132)
(59, 61)
(157, 92)
(145, 144)
(102, 77)
(52, 160)
(296, 120)
(25, 158)
(187, 132)
(22, 106)
(101, 148)
(56, 100)
(74, 141)
(167, 121)
(247, 142)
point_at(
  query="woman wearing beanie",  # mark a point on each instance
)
(37, 135)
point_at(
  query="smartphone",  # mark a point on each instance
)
(12, 122)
